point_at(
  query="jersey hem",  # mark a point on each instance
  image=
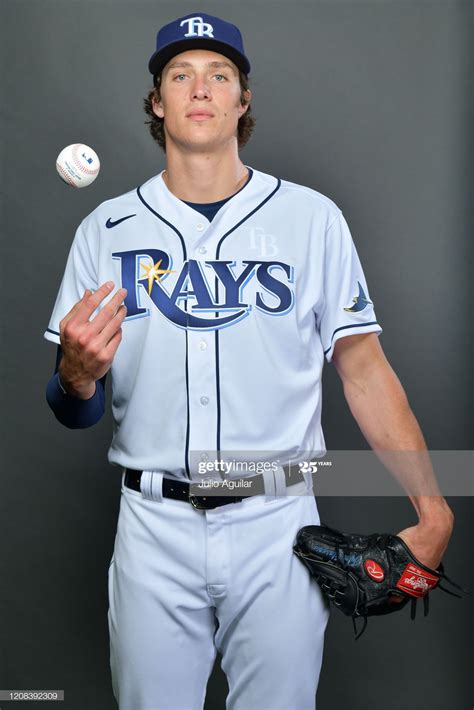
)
(52, 336)
(347, 330)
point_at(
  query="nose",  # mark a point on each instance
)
(200, 89)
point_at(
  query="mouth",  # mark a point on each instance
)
(199, 116)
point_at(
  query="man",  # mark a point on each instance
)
(232, 287)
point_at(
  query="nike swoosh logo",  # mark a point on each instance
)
(109, 224)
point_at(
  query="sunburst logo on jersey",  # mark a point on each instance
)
(154, 273)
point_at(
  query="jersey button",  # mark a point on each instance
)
(204, 400)
(202, 345)
(202, 250)
(200, 227)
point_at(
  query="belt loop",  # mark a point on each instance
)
(151, 485)
(124, 472)
(280, 482)
(269, 484)
(308, 479)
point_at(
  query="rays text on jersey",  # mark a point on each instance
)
(204, 295)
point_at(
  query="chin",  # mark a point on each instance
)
(205, 142)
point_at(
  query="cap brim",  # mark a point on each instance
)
(162, 57)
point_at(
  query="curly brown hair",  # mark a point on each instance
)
(245, 125)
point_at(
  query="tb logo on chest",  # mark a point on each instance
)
(262, 242)
(191, 299)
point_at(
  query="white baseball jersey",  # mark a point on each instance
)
(228, 322)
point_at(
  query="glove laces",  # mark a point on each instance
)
(426, 601)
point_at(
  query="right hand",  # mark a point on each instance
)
(89, 346)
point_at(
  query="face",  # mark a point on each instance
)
(200, 100)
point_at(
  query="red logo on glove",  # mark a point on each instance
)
(416, 582)
(374, 570)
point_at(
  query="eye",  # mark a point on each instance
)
(222, 75)
(178, 75)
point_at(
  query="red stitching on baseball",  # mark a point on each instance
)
(65, 175)
(78, 165)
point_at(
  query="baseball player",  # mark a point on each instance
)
(212, 294)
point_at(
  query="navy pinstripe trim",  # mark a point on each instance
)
(176, 231)
(258, 207)
(218, 394)
(54, 332)
(186, 449)
(345, 327)
(171, 226)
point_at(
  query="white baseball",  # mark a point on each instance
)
(78, 165)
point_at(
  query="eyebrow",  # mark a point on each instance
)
(215, 64)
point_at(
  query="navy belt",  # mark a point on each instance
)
(181, 490)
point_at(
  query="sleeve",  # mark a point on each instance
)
(73, 412)
(80, 273)
(347, 308)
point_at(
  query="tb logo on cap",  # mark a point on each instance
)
(197, 28)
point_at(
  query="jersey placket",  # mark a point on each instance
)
(203, 402)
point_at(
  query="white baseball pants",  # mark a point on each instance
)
(184, 583)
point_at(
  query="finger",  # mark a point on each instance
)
(91, 302)
(75, 308)
(395, 598)
(110, 328)
(107, 313)
(113, 344)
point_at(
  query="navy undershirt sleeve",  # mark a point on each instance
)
(76, 413)
(73, 412)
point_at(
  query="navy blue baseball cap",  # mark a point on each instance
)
(198, 31)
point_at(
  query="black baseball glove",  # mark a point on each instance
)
(359, 573)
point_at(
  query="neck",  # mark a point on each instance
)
(204, 177)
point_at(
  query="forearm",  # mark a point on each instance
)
(379, 404)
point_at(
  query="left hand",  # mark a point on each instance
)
(428, 543)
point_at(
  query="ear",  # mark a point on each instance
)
(157, 108)
(243, 109)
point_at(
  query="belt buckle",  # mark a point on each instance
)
(209, 502)
(196, 501)
(199, 502)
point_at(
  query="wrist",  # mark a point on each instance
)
(436, 514)
(77, 389)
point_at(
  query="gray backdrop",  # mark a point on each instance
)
(366, 102)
